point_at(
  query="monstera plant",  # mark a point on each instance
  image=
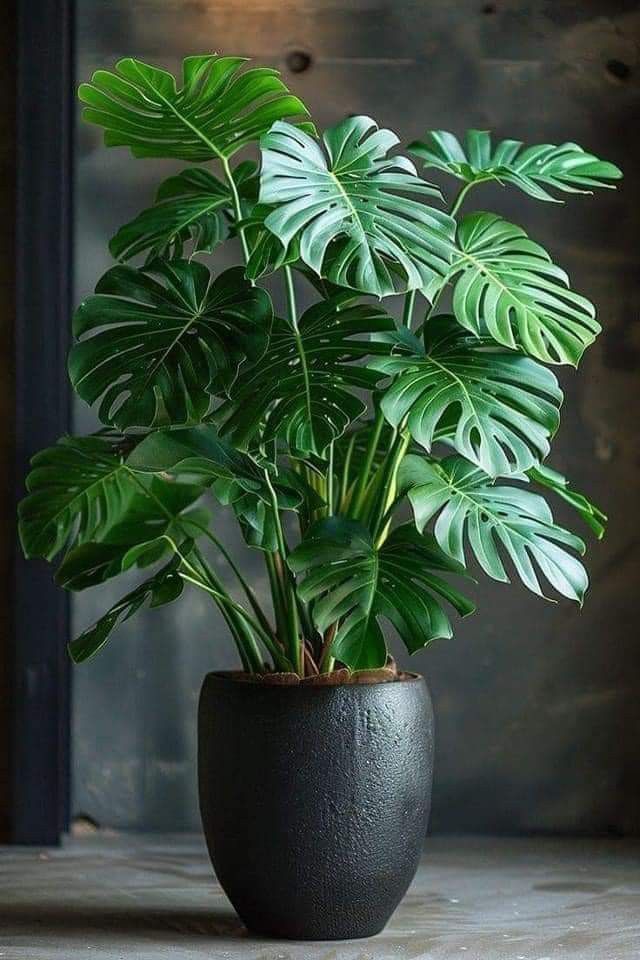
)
(374, 446)
(338, 414)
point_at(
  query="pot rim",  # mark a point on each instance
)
(231, 676)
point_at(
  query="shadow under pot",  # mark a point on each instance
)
(315, 800)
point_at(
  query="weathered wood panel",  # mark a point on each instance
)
(537, 704)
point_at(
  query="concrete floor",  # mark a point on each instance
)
(110, 897)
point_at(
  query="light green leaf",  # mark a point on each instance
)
(350, 210)
(164, 587)
(567, 167)
(590, 513)
(468, 507)
(301, 384)
(217, 111)
(507, 286)
(500, 408)
(352, 583)
(155, 351)
(189, 209)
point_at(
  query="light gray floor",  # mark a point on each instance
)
(110, 897)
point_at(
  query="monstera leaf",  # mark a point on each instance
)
(500, 408)
(155, 350)
(567, 167)
(468, 506)
(159, 510)
(301, 383)
(349, 209)
(189, 209)
(77, 490)
(507, 286)
(217, 111)
(198, 455)
(166, 585)
(352, 583)
(591, 514)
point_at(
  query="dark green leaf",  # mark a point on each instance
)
(301, 383)
(349, 210)
(351, 582)
(500, 408)
(77, 490)
(217, 111)
(163, 587)
(189, 209)
(155, 351)
(508, 287)
(468, 506)
(567, 167)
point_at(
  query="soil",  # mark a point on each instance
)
(340, 677)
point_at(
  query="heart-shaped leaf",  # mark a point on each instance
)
(189, 209)
(469, 507)
(501, 408)
(155, 351)
(350, 210)
(507, 286)
(301, 384)
(354, 584)
(217, 111)
(567, 167)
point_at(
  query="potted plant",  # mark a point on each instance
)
(315, 428)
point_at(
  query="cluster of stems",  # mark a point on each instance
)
(369, 494)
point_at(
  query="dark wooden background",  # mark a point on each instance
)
(537, 704)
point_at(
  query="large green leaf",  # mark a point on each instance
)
(591, 514)
(469, 507)
(166, 585)
(567, 167)
(159, 510)
(199, 455)
(349, 209)
(500, 407)
(154, 351)
(77, 490)
(352, 583)
(301, 383)
(507, 286)
(189, 209)
(217, 111)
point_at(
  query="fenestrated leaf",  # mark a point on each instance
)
(76, 491)
(567, 167)
(189, 209)
(217, 111)
(352, 583)
(591, 514)
(470, 508)
(507, 286)
(157, 344)
(162, 588)
(301, 384)
(160, 509)
(500, 408)
(197, 454)
(350, 209)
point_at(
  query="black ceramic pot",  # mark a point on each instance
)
(315, 801)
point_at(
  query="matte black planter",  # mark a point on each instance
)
(315, 800)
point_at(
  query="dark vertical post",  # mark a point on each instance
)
(40, 712)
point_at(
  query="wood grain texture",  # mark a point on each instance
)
(537, 705)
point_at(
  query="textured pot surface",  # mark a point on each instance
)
(315, 800)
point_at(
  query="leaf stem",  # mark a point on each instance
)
(459, 200)
(293, 625)
(237, 208)
(407, 311)
(372, 446)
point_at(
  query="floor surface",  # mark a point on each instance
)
(110, 897)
